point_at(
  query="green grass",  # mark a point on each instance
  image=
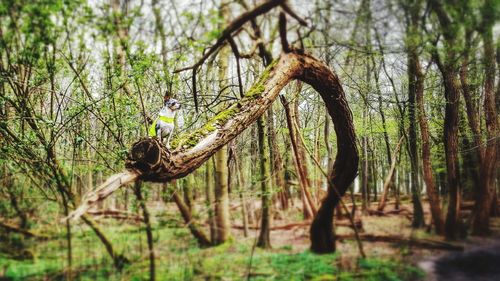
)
(178, 258)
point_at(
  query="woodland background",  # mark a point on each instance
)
(80, 82)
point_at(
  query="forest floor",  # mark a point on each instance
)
(179, 258)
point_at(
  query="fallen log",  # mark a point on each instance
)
(469, 205)
(421, 243)
(25, 232)
(116, 214)
(358, 224)
(379, 213)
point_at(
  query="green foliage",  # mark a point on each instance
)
(303, 266)
(179, 258)
(376, 269)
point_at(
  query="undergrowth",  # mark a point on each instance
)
(179, 258)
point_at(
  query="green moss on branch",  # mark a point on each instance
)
(258, 88)
(189, 140)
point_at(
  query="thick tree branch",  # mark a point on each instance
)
(150, 160)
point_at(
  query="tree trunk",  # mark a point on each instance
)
(390, 176)
(413, 83)
(307, 207)
(265, 225)
(489, 165)
(221, 197)
(432, 192)
(149, 231)
(302, 160)
(241, 186)
(210, 198)
(221, 157)
(69, 273)
(451, 152)
(364, 172)
(119, 260)
(194, 228)
(452, 96)
(276, 160)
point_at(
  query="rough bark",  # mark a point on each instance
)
(264, 240)
(221, 157)
(452, 96)
(221, 197)
(489, 165)
(432, 192)
(276, 161)
(210, 199)
(451, 152)
(413, 83)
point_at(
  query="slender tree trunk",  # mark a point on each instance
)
(373, 172)
(8, 182)
(119, 260)
(364, 172)
(276, 160)
(306, 204)
(221, 197)
(241, 190)
(366, 15)
(432, 192)
(160, 30)
(149, 230)
(301, 154)
(390, 176)
(187, 186)
(68, 238)
(265, 226)
(472, 153)
(381, 110)
(210, 198)
(413, 80)
(221, 158)
(194, 228)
